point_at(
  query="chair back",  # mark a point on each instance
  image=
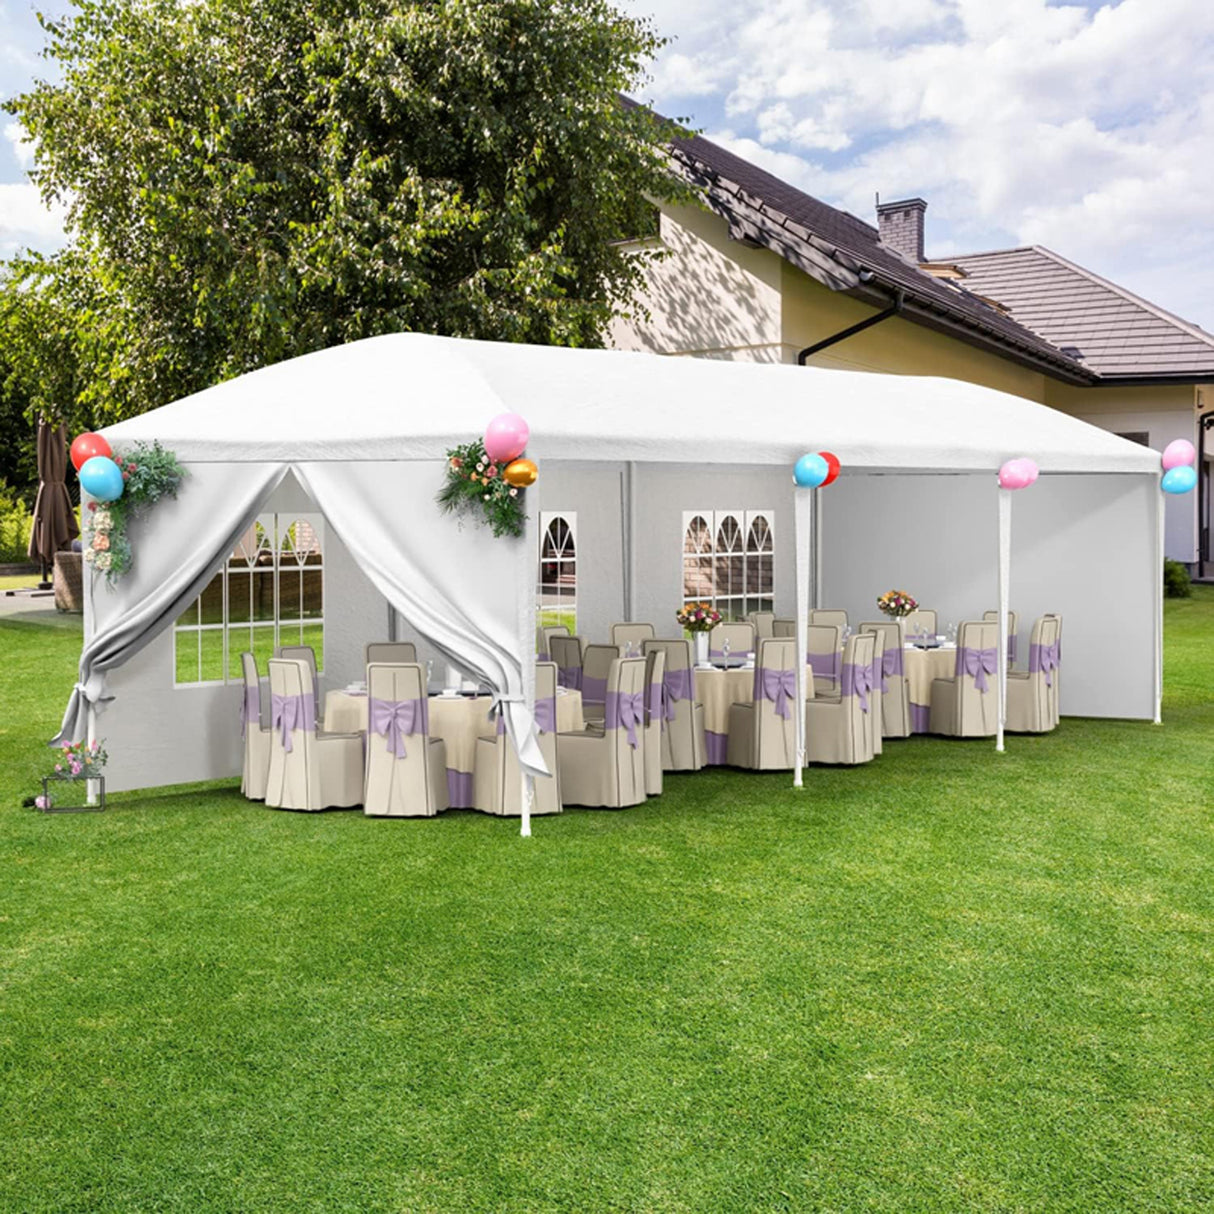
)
(655, 718)
(398, 733)
(624, 728)
(857, 683)
(683, 737)
(740, 635)
(976, 683)
(307, 654)
(763, 622)
(775, 703)
(1052, 615)
(250, 703)
(921, 621)
(891, 679)
(822, 653)
(1042, 672)
(784, 628)
(878, 690)
(294, 777)
(596, 668)
(543, 638)
(389, 651)
(829, 615)
(1013, 630)
(567, 658)
(629, 638)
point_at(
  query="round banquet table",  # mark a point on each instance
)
(920, 667)
(717, 689)
(458, 720)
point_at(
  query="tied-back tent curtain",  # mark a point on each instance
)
(54, 519)
(457, 585)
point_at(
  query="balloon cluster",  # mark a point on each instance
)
(1017, 473)
(506, 439)
(816, 471)
(1179, 475)
(100, 476)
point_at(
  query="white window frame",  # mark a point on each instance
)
(547, 518)
(271, 523)
(733, 604)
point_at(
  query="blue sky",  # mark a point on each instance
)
(1088, 128)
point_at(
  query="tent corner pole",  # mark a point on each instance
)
(91, 737)
(1160, 550)
(803, 524)
(1005, 562)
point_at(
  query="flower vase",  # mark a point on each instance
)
(701, 639)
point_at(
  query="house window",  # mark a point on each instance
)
(728, 560)
(270, 592)
(558, 570)
(1141, 437)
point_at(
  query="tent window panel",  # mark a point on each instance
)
(270, 592)
(728, 560)
(557, 585)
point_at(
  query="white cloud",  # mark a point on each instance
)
(24, 221)
(1088, 130)
(23, 146)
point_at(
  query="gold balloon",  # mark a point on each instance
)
(521, 473)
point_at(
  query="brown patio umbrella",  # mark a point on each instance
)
(54, 520)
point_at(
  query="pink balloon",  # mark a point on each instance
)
(1017, 474)
(506, 437)
(1179, 453)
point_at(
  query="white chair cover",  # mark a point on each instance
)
(895, 697)
(1054, 687)
(841, 729)
(877, 694)
(307, 654)
(607, 767)
(823, 653)
(763, 622)
(829, 616)
(543, 635)
(406, 768)
(497, 778)
(655, 718)
(967, 705)
(596, 667)
(631, 636)
(784, 628)
(1030, 693)
(740, 635)
(389, 651)
(763, 733)
(1013, 630)
(307, 770)
(683, 744)
(256, 768)
(567, 657)
(922, 620)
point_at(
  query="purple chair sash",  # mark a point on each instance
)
(625, 710)
(779, 686)
(977, 662)
(825, 665)
(679, 685)
(594, 691)
(250, 708)
(659, 703)
(1045, 659)
(545, 716)
(857, 681)
(394, 719)
(891, 666)
(288, 713)
(569, 677)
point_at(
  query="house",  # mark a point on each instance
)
(766, 272)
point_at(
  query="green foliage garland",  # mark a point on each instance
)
(475, 482)
(150, 473)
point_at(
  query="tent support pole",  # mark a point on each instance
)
(529, 555)
(1005, 563)
(630, 534)
(91, 738)
(1160, 547)
(802, 537)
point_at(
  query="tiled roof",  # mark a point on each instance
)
(1117, 333)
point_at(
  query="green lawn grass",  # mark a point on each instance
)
(947, 981)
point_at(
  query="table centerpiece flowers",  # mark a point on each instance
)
(699, 619)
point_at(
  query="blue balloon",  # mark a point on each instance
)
(1179, 480)
(101, 478)
(810, 471)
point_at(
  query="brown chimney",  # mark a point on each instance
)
(901, 227)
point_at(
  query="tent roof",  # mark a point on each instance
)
(413, 395)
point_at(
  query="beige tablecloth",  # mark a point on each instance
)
(717, 689)
(920, 667)
(458, 720)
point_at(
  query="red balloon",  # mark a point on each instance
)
(832, 462)
(85, 446)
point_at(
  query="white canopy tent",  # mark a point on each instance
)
(359, 434)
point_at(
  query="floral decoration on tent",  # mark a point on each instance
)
(488, 475)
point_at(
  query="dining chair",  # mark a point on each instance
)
(784, 628)
(307, 654)
(543, 638)
(389, 651)
(255, 770)
(1055, 688)
(606, 767)
(655, 718)
(823, 647)
(740, 635)
(763, 733)
(497, 781)
(1030, 692)
(920, 621)
(1013, 629)
(596, 666)
(829, 615)
(895, 696)
(406, 767)
(683, 744)
(840, 729)
(631, 636)
(877, 694)
(567, 657)
(308, 770)
(763, 622)
(967, 704)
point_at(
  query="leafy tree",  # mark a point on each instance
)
(248, 180)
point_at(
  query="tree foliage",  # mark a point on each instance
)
(248, 180)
